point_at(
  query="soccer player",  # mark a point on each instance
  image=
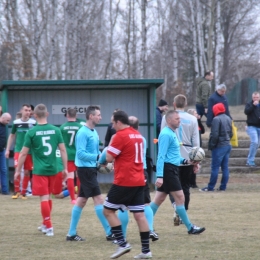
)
(123, 215)
(87, 153)
(69, 131)
(58, 188)
(168, 181)
(127, 190)
(19, 129)
(43, 140)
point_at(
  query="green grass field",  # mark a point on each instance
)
(231, 219)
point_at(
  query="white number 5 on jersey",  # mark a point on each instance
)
(44, 143)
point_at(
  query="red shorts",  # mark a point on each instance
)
(28, 164)
(57, 187)
(43, 185)
(71, 166)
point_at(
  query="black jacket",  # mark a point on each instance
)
(221, 131)
(2, 137)
(201, 130)
(253, 114)
(110, 131)
(158, 121)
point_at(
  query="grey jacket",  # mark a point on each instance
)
(221, 131)
(203, 91)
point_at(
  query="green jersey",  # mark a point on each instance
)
(20, 128)
(43, 141)
(68, 131)
(59, 161)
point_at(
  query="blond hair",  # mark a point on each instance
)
(40, 110)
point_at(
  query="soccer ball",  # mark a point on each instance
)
(105, 169)
(196, 154)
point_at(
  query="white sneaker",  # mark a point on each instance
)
(121, 250)
(42, 228)
(144, 256)
(49, 232)
(28, 193)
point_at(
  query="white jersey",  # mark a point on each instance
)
(187, 133)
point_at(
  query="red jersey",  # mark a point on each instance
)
(127, 149)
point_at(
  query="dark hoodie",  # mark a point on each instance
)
(221, 128)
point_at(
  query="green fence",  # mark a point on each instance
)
(242, 92)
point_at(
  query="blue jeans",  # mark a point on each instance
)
(220, 157)
(3, 172)
(200, 110)
(254, 134)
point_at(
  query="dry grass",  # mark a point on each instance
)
(231, 219)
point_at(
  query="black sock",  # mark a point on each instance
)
(145, 242)
(117, 231)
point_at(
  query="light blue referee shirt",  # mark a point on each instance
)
(87, 147)
(169, 150)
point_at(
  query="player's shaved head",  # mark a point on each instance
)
(41, 111)
(71, 112)
(170, 113)
(133, 122)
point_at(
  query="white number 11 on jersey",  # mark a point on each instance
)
(139, 153)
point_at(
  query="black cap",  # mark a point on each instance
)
(162, 103)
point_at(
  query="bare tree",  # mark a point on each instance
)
(144, 39)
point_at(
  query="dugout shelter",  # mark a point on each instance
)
(135, 96)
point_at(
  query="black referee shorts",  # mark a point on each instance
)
(89, 186)
(171, 180)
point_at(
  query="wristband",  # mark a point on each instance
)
(185, 162)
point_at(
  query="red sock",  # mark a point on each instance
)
(50, 205)
(78, 184)
(26, 180)
(46, 213)
(70, 187)
(17, 184)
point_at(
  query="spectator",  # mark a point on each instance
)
(252, 111)
(162, 107)
(4, 120)
(203, 90)
(219, 143)
(217, 97)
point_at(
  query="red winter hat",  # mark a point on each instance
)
(219, 108)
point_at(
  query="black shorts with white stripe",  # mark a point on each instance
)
(120, 197)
